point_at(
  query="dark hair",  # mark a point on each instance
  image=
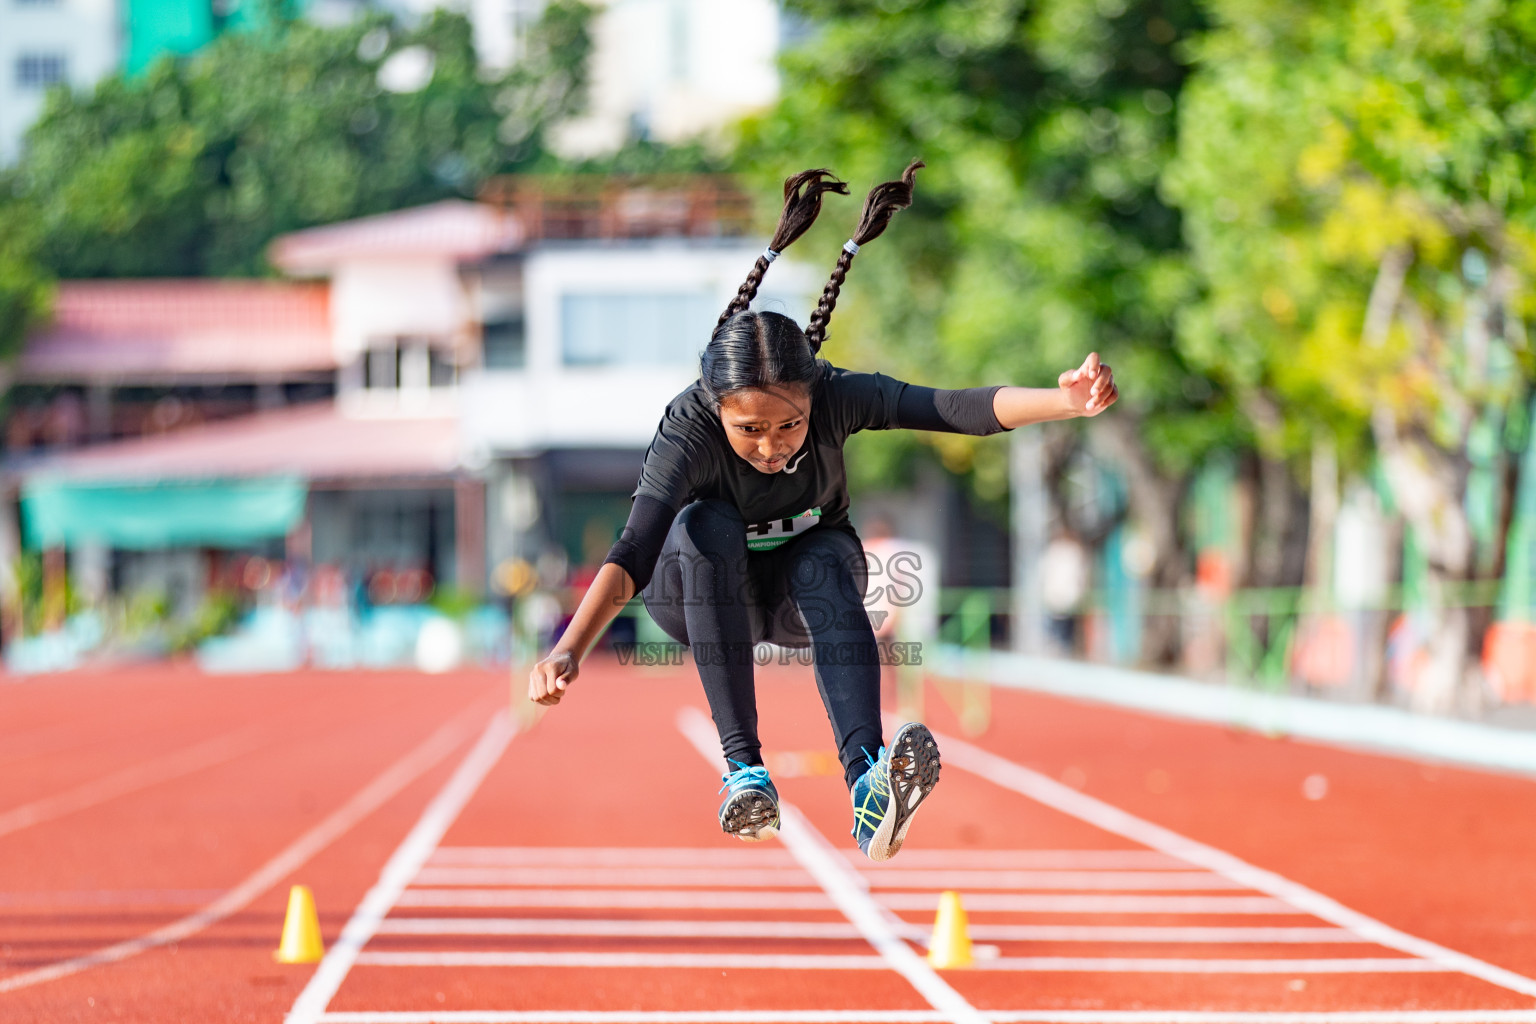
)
(755, 351)
(879, 206)
(761, 350)
(802, 202)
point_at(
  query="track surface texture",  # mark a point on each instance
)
(476, 867)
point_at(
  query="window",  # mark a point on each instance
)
(441, 370)
(39, 70)
(504, 344)
(407, 364)
(636, 330)
(381, 368)
(677, 48)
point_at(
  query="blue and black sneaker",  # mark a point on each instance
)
(751, 808)
(886, 797)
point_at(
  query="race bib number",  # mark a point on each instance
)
(769, 535)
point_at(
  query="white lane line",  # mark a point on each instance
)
(635, 928)
(634, 1017)
(759, 929)
(879, 927)
(611, 856)
(930, 1017)
(747, 857)
(690, 899)
(1214, 965)
(937, 880)
(1024, 860)
(668, 961)
(702, 878)
(132, 779)
(1086, 881)
(842, 962)
(1051, 793)
(628, 899)
(407, 859)
(1023, 903)
(297, 853)
(1265, 1017)
(1215, 936)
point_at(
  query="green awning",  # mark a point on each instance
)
(215, 513)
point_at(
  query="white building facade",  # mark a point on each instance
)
(673, 70)
(612, 332)
(669, 70)
(556, 356)
(44, 43)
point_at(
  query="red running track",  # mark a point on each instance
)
(1116, 866)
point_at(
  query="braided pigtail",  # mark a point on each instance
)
(802, 202)
(879, 206)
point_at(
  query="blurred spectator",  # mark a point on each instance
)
(1064, 582)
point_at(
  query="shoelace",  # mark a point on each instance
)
(877, 785)
(866, 814)
(744, 775)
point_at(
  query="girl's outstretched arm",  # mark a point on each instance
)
(609, 592)
(1085, 391)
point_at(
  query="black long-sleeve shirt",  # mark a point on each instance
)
(690, 459)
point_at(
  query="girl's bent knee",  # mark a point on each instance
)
(709, 510)
(711, 527)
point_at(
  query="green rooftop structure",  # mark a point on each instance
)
(156, 27)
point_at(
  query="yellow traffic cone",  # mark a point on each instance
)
(301, 930)
(951, 943)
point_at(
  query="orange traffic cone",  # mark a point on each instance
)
(951, 943)
(301, 930)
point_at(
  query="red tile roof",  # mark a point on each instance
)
(452, 229)
(313, 441)
(157, 330)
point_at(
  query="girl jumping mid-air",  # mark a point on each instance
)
(739, 531)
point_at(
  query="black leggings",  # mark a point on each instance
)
(713, 594)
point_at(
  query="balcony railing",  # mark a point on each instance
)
(599, 206)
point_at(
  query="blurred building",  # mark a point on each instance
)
(129, 358)
(588, 330)
(669, 70)
(75, 43)
(157, 423)
(105, 394)
(448, 390)
(44, 43)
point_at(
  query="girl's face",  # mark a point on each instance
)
(766, 427)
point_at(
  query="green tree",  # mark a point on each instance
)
(1038, 234)
(25, 285)
(1360, 198)
(192, 168)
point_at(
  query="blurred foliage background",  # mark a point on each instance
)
(191, 169)
(1302, 232)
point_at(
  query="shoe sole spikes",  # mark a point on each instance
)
(750, 815)
(914, 772)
